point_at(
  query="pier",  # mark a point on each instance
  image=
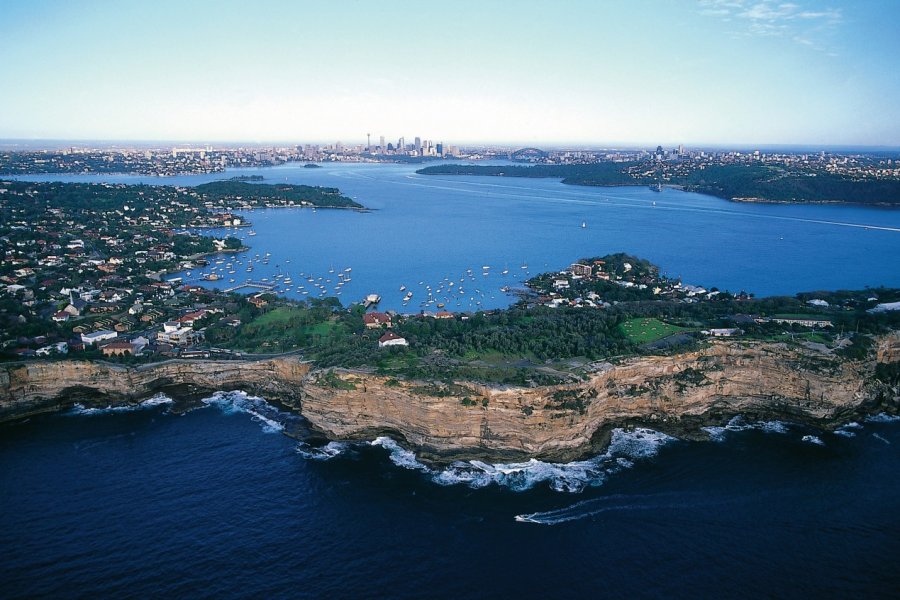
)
(257, 285)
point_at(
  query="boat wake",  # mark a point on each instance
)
(617, 503)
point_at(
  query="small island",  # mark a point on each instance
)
(312, 166)
(246, 178)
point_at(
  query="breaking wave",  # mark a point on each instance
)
(736, 424)
(813, 439)
(270, 418)
(79, 409)
(883, 418)
(625, 448)
(326, 452)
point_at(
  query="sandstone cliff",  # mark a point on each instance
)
(676, 394)
(36, 387)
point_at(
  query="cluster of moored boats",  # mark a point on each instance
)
(452, 290)
(462, 290)
(281, 282)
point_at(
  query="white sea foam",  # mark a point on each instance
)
(326, 452)
(400, 456)
(737, 424)
(271, 419)
(882, 418)
(847, 429)
(812, 439)
(625, 448)
(157, 400)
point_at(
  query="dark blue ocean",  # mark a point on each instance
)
(219, 502)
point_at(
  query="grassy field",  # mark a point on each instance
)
(646, 330)
(285, 328)
(323, 329)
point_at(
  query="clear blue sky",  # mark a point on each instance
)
(593, 72)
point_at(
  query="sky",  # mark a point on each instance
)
(592, 73)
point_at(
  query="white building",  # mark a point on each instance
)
(89, 339)
(174, 333)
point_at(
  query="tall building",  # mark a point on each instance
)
(381, 143)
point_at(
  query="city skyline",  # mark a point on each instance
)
(714, 72)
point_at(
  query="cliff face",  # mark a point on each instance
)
(36, 387)
(676, 394)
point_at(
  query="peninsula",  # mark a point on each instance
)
(607, 342)
(743, 181)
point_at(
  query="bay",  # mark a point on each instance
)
(436, 230)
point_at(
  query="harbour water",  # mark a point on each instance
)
(425, 232)
(217, 502)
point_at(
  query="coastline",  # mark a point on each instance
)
(677, 395)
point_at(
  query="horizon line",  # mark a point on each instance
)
(548, 144)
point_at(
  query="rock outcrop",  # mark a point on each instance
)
(675, 394)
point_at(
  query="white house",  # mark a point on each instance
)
(391, 339)
(724, 332)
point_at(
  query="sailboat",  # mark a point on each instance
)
(584, 225)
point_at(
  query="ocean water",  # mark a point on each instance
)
(217, 502)
(428, 231)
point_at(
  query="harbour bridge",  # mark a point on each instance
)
(528, 154)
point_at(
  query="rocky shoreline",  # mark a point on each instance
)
(677, 395)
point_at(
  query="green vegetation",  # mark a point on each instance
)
(281, 329)
(645, 330)
(606, 173)
(536, 345)
(331, 379)
(730, 181)
(282, 192)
